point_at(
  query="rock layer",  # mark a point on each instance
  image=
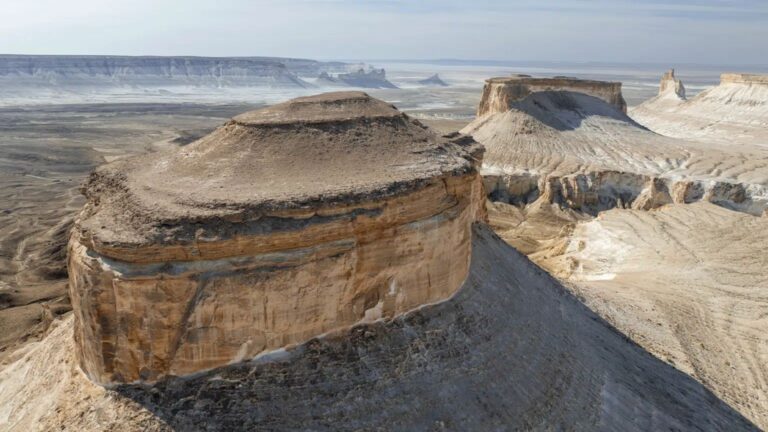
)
(671, 85)
(733, 113)
(512, 350)
(569, 147)
(499, 93)
(283, 224)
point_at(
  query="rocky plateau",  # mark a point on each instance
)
(330, 263)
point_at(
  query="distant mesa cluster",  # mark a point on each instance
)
(372, 78)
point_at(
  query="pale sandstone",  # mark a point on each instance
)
(284, 224)
(733, 114)
(511, 350)
(595, 200)
(570, 147)
(671, 85)
(498, 93)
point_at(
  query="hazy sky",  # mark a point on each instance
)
(674, 31)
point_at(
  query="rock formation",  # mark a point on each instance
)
(285, 223)
(499, 93)
(626, 217)
(373, 78)
(670, 85)
(568, 142)
(296, 227)
(735, 112)
(75, 72)
(434, 80)
(512, 350)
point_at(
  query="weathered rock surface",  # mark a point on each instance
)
(283, 224)
(500, 93)
(670, 85)
(596, 200)
(733, 114)
(512, 350)
(570, 147)
(28, 72)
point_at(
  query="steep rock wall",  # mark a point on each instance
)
(499, 93)
(259, 293)
(594, 192)
(242, 243)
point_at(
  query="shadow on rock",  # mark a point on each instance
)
(513, 349)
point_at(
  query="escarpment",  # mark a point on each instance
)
(283, 224)
(733, 113)
(499, 93)
(571, 146)
(626, 217)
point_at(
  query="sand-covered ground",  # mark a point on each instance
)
(512, 350)
(686, 282)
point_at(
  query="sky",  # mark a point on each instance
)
(725, 32)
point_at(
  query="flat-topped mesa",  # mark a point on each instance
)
(742, 78)
(499, 93)
(670, 85)
(281, 225)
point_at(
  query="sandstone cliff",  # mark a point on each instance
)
(512, 350)
(74, 72)
(626, 217)
(500, 93)
(735, 112)
(283, 224)
(571, 146)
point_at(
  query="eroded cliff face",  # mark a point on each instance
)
(733, 113)
(598, 191)
(568, 147)
(671, 85)
(499, 93)
(743, 78)
(625, 216)
(218, 276)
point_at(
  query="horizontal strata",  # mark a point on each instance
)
(594, 192)
(499, 93)
(733, 114)
(568, 147)
(143, 321)
(282, 225)
(512, 350)
(743, 78)
(310, 157)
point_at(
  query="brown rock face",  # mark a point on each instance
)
(283, 224)
(498, 93)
